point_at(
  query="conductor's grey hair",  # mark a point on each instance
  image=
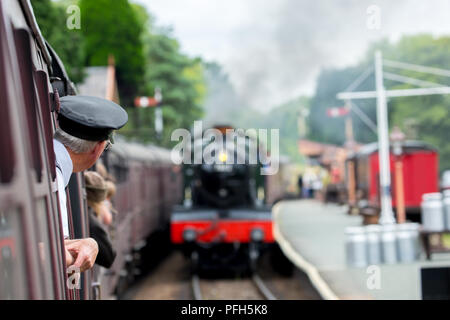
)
(75, 144)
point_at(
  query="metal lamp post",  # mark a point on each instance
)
(387, 214)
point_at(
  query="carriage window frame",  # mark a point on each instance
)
(19, 278)
(7, 160)
(43, 96)
(43, 236)
(22, 40)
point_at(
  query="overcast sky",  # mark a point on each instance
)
(274, 50)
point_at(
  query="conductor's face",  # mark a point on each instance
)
(83, 161)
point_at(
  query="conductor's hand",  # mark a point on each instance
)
(84, 252)
(69, 258)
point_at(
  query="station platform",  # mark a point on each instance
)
(312, 236)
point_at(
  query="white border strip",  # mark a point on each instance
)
(313, 274)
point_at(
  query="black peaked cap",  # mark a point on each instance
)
(90, 118)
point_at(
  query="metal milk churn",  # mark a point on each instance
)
(408, 242)
(432, 212)
(446, 203)
(388, 244)
(373, 235)
(356, 246)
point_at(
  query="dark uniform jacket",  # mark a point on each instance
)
(106, 252)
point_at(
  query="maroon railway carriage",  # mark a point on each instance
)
(148, 185)
(31, 251)
(31, 243)
(420, 175)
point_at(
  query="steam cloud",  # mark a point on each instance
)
(283, 56)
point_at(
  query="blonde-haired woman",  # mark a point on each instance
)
(97, 191)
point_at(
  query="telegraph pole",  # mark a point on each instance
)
(387, 214)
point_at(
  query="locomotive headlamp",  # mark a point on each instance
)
(257, 235)
(189, 235)
(223, 157)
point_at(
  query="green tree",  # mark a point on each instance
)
(51, 17)
(424, 117)
(181, 79)
(286, 119)
(332, 130)
(112, 27)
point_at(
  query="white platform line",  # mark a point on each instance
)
(313, 274)
(196, 288)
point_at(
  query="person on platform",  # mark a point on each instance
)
(300, 185)
(85, 127)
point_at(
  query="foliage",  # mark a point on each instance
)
(146, 57)
(51, 17)
(179, 77)
(425, 118)
(112, 27)
(286, 118)
(331, 130)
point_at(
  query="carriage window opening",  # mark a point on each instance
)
(44, 102)
(6, 145)
(13, 276)
(44, 248)
(22, 40)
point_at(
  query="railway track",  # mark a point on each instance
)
(268, 295)
(253, 288)
(171, 280)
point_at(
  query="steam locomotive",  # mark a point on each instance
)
(227, 222)
(32, 264)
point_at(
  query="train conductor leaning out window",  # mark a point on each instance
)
(85, 129)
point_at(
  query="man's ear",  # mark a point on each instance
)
(98, 148)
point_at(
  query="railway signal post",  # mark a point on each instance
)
(155, 101)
